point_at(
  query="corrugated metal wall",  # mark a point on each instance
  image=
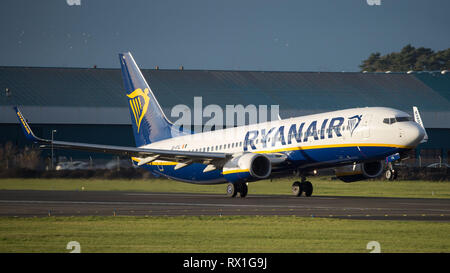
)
(94, 98)
(297, 93)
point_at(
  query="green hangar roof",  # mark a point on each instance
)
(96, 96)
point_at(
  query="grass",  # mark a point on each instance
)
(322, 186)
(219, 234)
(225, 234)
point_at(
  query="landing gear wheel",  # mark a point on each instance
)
(390, 175)
(307, 188)
(231, 190)
(242, 189)
(234, 189)
(297, 189)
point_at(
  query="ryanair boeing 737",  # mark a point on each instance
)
(355, 142)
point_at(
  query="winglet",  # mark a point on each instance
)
(25, 127)
(418, 120)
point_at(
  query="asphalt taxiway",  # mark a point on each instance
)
(27, 203)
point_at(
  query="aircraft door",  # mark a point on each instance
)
(366, 125)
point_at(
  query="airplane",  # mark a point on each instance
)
(358, 143)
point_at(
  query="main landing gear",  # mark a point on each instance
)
(298, 188)
(237, 189)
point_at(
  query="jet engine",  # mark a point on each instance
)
(358, 172)
(247, 167)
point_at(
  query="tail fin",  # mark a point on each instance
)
(149, 122)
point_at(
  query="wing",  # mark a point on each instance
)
(141, 155)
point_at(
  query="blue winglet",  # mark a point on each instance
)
(25, 127)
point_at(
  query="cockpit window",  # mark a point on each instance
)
(389, 120)
(403, 119)
(396, 119)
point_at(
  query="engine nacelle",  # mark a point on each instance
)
(358, 172)
(247, 167)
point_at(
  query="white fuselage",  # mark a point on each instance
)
(370, 130)
(315, 141)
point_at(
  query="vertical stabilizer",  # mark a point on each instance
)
(149, 122)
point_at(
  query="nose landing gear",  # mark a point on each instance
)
(390, 174)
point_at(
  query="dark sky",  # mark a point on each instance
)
(310, 35)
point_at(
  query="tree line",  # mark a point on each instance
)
(409, 58)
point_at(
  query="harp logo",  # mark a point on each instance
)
(353, 122)
(139, 101)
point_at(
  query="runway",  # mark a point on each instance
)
(91, 203)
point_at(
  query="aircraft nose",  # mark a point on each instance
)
(414, 134)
